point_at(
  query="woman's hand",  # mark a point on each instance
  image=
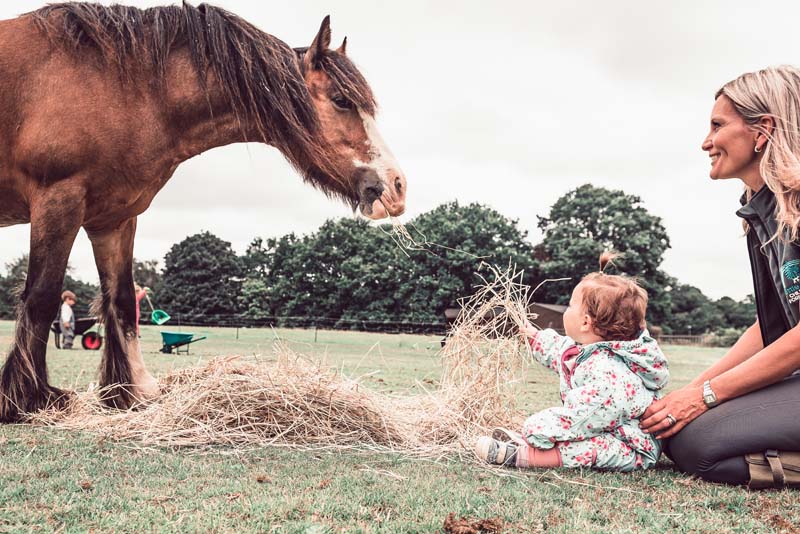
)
(684, 405)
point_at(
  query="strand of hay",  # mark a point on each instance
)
(247, 402)
(406, 242)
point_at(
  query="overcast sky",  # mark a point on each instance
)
(510, 104)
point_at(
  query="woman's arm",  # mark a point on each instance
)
(767, 366)
(745, 347)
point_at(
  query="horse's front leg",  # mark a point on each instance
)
(123, 376)
(55, 221)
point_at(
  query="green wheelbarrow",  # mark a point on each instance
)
(176, 340)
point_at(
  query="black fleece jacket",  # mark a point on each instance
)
(775, 264)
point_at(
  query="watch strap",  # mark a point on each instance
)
(709, 397)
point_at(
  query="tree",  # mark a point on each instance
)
(735, 314)
(355, 273)
(588, 220)
(146, 274)
(693, 312)
(342, 271)
(202, 278)
(461, 238)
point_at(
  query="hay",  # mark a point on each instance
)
(406, 242)
(248, 402)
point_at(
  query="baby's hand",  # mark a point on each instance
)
(528, 330)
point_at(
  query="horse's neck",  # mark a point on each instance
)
(199, 119)
(203, 131)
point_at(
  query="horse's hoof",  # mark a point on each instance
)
(146, 389)
(49, 398)
(8, 411)
(117, 396)
(57, 399)
(125, 397)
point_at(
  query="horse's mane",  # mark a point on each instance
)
(261, 75)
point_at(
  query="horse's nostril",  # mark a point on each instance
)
(372, 193)
(398, 185)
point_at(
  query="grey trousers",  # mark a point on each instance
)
(713, 445)
(68, 337)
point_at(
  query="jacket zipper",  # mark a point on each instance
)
(758, 290)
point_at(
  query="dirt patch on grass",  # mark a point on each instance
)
(472, 526)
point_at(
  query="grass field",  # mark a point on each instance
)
(69, 482)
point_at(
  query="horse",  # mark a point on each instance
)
(98, 107)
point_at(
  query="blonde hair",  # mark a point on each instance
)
(616, 304)
(774, 92)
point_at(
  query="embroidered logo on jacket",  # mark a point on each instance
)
(791, 279)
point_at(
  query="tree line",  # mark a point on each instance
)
(350, 274)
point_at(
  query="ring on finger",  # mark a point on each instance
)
(671, 419)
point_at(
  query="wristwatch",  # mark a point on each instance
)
(708, 395)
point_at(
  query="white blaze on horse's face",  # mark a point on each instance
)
(383, 163)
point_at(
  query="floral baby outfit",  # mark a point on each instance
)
(605, 388)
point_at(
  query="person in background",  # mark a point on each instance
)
(141, 292)
(68, 300)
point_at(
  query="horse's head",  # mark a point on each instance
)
(365, 171)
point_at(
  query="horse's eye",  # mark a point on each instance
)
(342, 103)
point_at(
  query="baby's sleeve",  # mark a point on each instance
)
(547, 346)
(597, 406)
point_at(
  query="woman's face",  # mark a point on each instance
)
(731, 145)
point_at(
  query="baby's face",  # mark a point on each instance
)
(573, 316)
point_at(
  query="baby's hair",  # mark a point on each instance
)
(616, 304)
(607, 258)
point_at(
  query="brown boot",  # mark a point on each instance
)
(773, 469)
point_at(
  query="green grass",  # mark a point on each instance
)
(61, 481)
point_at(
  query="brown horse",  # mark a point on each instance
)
(99, 105)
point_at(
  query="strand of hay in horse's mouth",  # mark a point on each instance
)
(246, 402)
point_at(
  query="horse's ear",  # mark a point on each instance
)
(343, 49)
(321, 43)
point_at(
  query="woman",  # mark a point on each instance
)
(739, 420)
(141, 292)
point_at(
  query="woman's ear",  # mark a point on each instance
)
(766, 125)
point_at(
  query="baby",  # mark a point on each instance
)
(610, 370)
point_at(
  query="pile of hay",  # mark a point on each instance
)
(246, 402)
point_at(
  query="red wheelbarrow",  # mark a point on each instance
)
(176, 340)
(90, 339)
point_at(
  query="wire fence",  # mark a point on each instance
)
(391, 326)
(696, 340)
(394, 326)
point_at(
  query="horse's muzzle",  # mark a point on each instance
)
(377, 199)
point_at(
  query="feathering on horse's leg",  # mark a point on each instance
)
(123, 375)
(23, 381)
